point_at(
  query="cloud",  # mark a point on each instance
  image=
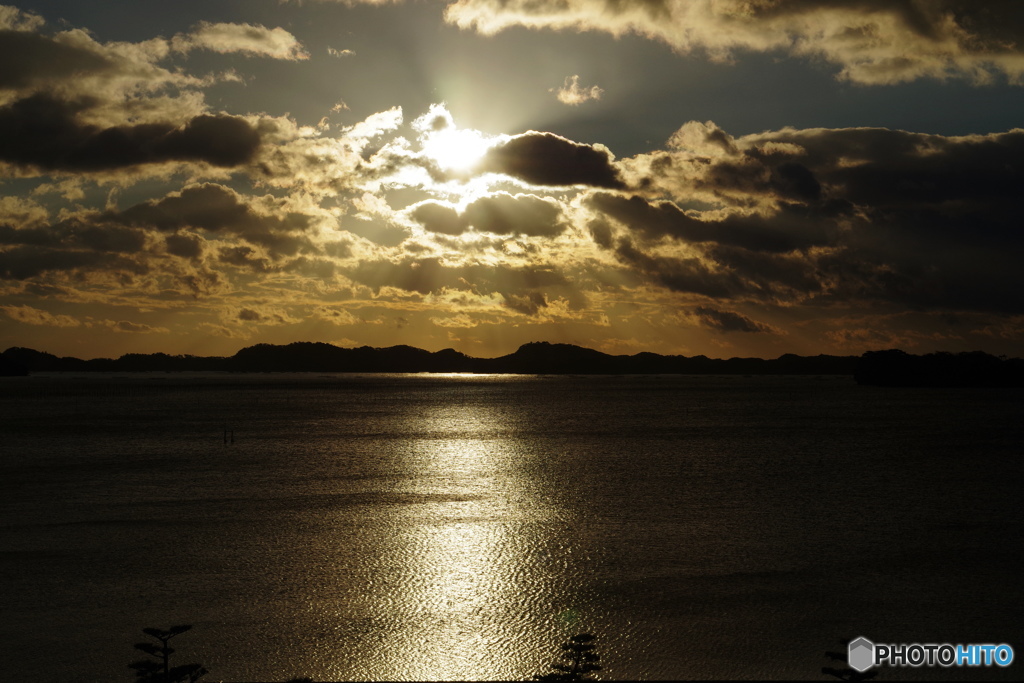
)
(243, 256)
(461, 321)
(728, 321)
(72, 65)
(35, 316)
(215, 209)
(76, 233)
(826, 216)
(499, 213)
(549, 159)
(249, 39)
(502, 213)
(872, 42)
(29, 60)
(262, 220)
(132, 328)
(689, 275)
(12, 18)
(185, 245)
(784, 231)
(377, 124)
(527, 304)
(572, 94)
(335, 315)
(432, 276)
(260, 315)
(439, 218)
(28, 261)
(41, 132)
(334, 52)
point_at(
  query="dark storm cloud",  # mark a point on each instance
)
(688, 275)
(875, 167)
(548, 159)
(839, 216)
(791, 228)
(505, 214)
(127, 241)
(527, 304)
(243, 257)
(76, 234)
(848, 215)
(440, 219)
(727, 321)
(216, 209)
(795, 181)
(601, 232)
(29, 261)
(500, 213)
(921, 195)
(184, 245)
(29, 59)
(777, 276)
(44, 132)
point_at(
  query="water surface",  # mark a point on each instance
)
(459, 527)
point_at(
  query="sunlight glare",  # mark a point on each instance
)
(451, 148)
(455, 149)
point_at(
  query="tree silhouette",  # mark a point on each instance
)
(581, 658)
(148, 671)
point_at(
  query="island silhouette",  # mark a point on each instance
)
(880, 368)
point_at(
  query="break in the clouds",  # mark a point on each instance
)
(178, 189)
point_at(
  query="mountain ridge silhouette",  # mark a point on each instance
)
(882, 368)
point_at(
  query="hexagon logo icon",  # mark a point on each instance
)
(861, 655)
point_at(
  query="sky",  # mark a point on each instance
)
(717, 177)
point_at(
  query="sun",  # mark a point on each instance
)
(455, 149)
(451, 148)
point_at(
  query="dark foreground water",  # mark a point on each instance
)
(459, 527)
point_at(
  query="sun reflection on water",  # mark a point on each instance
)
(464, 560)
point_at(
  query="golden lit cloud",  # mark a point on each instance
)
(871, 42)
(245, 38)
(132, 204)
(573, 94)
(35, 316)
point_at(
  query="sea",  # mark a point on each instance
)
(462, 527)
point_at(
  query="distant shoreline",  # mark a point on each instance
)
(878, 368)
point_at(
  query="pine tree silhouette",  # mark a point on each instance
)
(581, 658)
(148, 671)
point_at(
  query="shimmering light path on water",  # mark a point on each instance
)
(423, 527)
